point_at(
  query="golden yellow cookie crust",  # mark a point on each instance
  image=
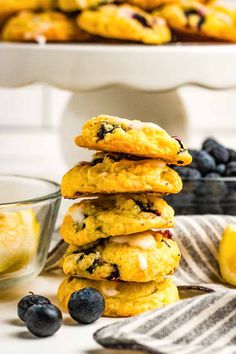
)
(123, 299)
(199, 19)
(9, 7)
(151, 4)
(112, 173)
(42, 27)
(121, 214)
(139, 257)
(76, 5)
(125, 22)
(115, 134)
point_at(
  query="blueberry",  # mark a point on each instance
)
(220, 154)
(193, 153)
(231, 169)
(209, 143)
(27, 301)
(43, 320)
(86, 305)
(188, 173)
(232, 155)
(141, 19)
(205, 162)
(106, 128)
(201, 20)
(212, 175)
(220, 169)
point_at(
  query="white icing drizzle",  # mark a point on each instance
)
(77, 215)
(40, 39)
(81, 3)
(110, 290)
(140, 125)
(142, 240)
(142, 262)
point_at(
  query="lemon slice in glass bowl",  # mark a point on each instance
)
(19, 236)
(227, 254)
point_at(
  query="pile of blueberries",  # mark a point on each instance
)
(209, 183)
(43, 319)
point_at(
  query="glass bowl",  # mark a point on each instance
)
(205, 196)
(28, 211)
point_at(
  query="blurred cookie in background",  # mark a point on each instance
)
(42, 27)
(125, 22)
(194, 18)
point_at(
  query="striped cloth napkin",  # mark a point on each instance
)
(196, 325)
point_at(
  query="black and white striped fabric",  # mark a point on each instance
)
(197, 325)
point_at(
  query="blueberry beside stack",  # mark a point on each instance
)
(120, 242)
(209, 181)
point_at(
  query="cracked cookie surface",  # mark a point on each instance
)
(121, 214)
(49, 26)
(140, 257)
(192, 17)
(115, 134)
(125, 22)
(123, 299)
(113, 173)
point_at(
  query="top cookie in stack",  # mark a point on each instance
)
(121, 235)
(134, 159)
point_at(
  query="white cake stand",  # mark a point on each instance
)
(134, 81)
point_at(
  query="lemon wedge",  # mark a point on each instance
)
(227, 254)
(19, 236)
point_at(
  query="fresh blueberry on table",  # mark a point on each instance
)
(29, 300)
(43, 320)
(86, 305)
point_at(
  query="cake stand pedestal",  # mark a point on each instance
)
(134, 81)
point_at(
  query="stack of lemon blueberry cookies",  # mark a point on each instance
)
(119, 236)
(145, 21)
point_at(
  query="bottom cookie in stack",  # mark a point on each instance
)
(123, 299)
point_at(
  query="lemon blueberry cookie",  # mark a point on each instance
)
(42, 27)
(9, 7)
(125, 22)
(120, 214)
(110, 133)
(110, 173)
(191, 17)
(141, 257)
(123, 298)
